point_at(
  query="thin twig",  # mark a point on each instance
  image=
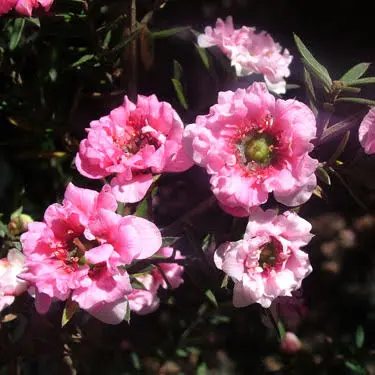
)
(176, 226)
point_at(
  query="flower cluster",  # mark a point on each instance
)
(24, 7)
(268, 261)
(250, 52)
(252, 145)
(132, 143)
(79, 250)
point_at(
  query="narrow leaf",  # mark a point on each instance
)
(70, 308)
(340, 148)
(224, 283)
(361, 81)
(180, 92)
(312, 63)
(127, 313)
(318, 191)
(323, 176)
(355, 72)
(321, 78)
(202, 52)
(169, 241)
(142, 209)
(168, 32)
(127, 40)
(82, 60)
(357, 100)
(310, 91)
(177, 70)
(211, 297)
(359, 337)
(19, 24)
(281, 329)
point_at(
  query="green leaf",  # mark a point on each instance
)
(107, 39)
(127, 313)
(359, 337)
(209, 294)
(177, 70)
(136, 284)
(169, 241)
(224, 283)
(142, 209)
(126, 40)
(357, 100)
(168, 32)
(180, 93)
(202, 52)
(70, 308)
(281, 329)
(361, 81)
(317, 69)
(202, 369)
(340, 147)
(19, 24)
(355, 72)
(136, 361)
(318, 76)
(33, 20)
(323, 176)
(310, 91)
(82, 60)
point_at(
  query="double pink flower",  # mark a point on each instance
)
(250, 52)
(77, 251)
(252, 144)
(268, 262)
(133, 143)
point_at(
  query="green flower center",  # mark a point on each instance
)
(268, 256)
(259, 149)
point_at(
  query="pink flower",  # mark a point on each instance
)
(267, 262)
(24, 7)
(250, 52)
(253, 145)
(145, 301)
(132, 143)
(367, 132)
(76, 253)
(290, 343)
(10, 284)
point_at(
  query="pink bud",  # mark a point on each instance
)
(290, 343)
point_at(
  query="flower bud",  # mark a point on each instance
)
(18, 223)
(290, 343)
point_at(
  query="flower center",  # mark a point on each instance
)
(272, 256)
(259, 149)
(139, 134)
(268, 256)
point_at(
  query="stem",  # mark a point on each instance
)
(144, 263)
(339, 128)
(132, 78)
(164, 276)
(175, 227)
(273, 321)
(350, 191)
